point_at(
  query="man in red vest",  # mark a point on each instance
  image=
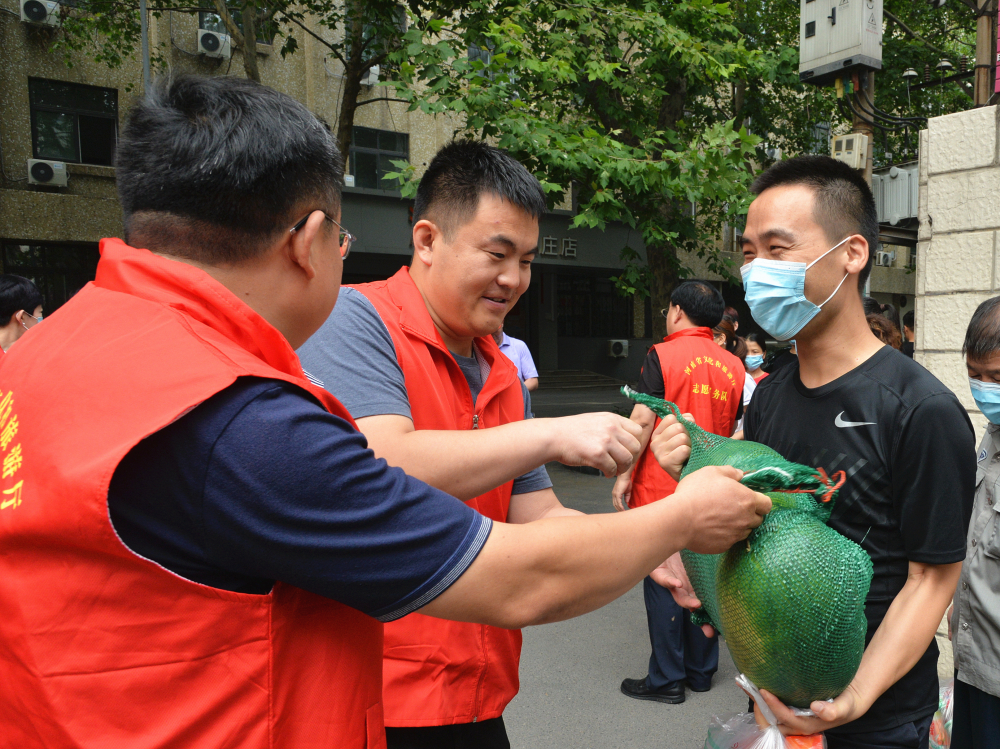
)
(705, 381)
(198, 547)
(414, 361)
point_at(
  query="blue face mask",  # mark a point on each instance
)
(987, 397)
(775, 291)
(753, 362)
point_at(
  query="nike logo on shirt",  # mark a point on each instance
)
(839, 421)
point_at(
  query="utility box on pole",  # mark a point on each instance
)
(838, 38)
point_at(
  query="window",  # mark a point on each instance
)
(58, 270)
(810, 29)
(213, 22)
(74, 123)
(372, 154)
(589, 307)
(483, 55)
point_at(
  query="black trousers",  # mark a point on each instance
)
(484, 734)
(976, 720)
(680, 649)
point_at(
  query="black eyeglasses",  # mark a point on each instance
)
(346, 238)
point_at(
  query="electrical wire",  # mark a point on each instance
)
(889, 115)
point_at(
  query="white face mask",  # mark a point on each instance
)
(775, 292)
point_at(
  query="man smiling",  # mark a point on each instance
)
(413, 360)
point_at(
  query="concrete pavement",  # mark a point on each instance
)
(571, 671)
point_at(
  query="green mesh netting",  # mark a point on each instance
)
(790, 600)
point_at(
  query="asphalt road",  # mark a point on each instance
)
(571, 671)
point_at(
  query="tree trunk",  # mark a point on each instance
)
(663, 265)
(250, 42)
(353, 72)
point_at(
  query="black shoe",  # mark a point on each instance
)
(639, 689)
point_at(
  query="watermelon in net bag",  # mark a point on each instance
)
(790, 600)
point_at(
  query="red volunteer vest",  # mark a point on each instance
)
(98, 646)
(439, 672)
(704, 380)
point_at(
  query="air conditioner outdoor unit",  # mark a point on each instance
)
(549, 246)
(569, 248)
(214, 44)
(41, 12)
(51, 173)
(371, 76)
(885, 258)
(617, 348)
(852, 149)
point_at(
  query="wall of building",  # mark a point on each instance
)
(959, 239)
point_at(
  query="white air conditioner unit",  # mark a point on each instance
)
(44, 172)
(569, 248)
(41, 12)
(371, 76)
(214, 44)
(852, 149)
(549, 246)
(617, 348)
(885, 258)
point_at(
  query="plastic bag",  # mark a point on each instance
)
(741, 731)
(941, 725)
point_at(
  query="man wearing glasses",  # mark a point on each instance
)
(18, 295)
(198, 547)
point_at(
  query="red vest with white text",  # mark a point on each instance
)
(98, 646)
(704, 380)
(439, 672)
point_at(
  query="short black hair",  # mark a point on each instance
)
(982, 339)
(759, 338)
(700, 301)
(871, 306)
(17, 293)
(908, 320)
(844, 201)
(462, 172)
(213, 167)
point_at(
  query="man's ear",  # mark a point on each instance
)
(301, 247)
(858, 252)
(425, 234)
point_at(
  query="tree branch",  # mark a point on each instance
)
(906, 29)
(381, 98)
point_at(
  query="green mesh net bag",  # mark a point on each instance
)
(790, 600)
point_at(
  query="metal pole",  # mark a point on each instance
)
(866, 80)
(144, 26)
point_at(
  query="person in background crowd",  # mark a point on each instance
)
(754, 361)
(705, 381)
(517, 351)
(202, 550)
(725, 336)
(20, 308)
(780, 358)
(907, 347)
(851, 403)
(884, 330)
(733, 315)
(974, 617)
(871, 306)
(890, 313)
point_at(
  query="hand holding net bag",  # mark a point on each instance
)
(790, 600)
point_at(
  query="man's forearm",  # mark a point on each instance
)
(645, 418)
(468, 463)
(906, 631)
(558, 568)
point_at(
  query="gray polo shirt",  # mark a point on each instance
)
(975, 622)
(353, 354)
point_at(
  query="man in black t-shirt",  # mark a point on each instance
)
(849, 403)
